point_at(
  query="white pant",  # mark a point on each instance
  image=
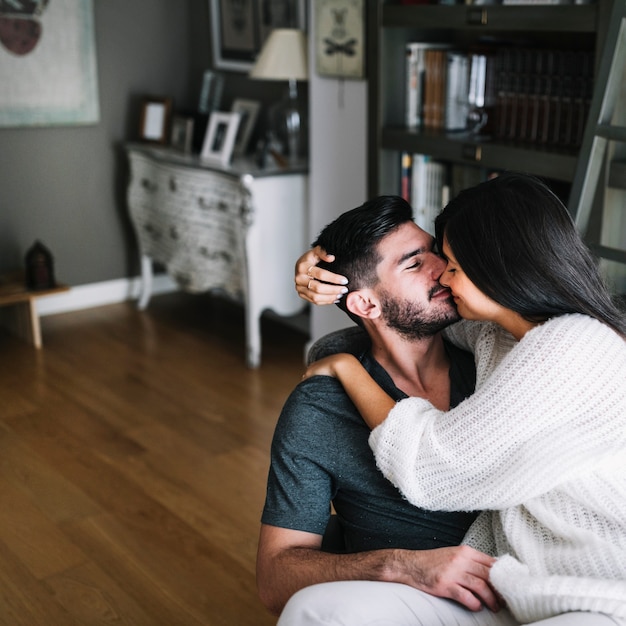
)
(368, 603)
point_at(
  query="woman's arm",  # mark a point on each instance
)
(370, 400)
(315, 284)
(551, 410)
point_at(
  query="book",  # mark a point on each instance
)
(429, 188)
(406, 163)
(456, 92)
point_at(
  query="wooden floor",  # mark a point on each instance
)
(133, 458)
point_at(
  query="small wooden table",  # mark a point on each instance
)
(22, 318)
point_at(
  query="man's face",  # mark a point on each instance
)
(412, 301)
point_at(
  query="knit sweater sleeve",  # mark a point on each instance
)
(552, 408)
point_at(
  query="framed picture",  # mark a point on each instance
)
(219, 140)
(155, 120)
(248, 112)
(340, 38)
(182, 133)
(239, 29)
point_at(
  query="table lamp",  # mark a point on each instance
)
(284, 57)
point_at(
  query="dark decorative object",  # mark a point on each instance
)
(39, 268)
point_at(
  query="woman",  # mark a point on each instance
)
(541, 445)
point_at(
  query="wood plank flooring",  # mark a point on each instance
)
(134, 450)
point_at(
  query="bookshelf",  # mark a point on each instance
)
(391, 26)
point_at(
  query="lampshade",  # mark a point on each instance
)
(283, 57)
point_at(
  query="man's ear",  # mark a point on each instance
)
(363, 303)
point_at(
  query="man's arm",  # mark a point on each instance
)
(289, 560)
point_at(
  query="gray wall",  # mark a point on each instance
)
(65, 185)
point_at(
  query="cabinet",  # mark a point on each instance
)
(392, 26)
(236, 228)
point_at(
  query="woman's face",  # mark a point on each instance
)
(471, 302)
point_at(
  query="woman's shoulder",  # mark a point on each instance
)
(576, 327)
(579, 339)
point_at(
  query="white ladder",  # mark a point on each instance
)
(599, 131)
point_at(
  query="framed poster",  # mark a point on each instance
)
(340, 38)
(48, 64)
(240, 27)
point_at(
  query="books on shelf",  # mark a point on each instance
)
(428, 190)
(416, 76)
(524, 95)
(543, 95)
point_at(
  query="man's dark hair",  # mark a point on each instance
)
(353, 238)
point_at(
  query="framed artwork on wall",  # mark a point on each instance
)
(340, 38)
(48, 67)
(154, 124)
(239, 28)
(219, 140)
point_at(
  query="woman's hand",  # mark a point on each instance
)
(315, 284)
(370, 400)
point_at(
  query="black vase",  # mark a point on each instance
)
(39, 267)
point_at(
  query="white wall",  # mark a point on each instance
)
(338, 158)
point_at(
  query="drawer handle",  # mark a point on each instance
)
(148, 185)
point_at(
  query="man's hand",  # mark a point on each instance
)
(459, 573)
(314, 284)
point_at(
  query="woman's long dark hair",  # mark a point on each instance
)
(516, 241)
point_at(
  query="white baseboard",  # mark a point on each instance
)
(99, 294)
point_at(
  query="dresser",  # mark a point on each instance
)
(237, 229)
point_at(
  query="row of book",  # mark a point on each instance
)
(519, 94)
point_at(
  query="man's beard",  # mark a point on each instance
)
(413, 321)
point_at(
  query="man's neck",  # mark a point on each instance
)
(419, 367)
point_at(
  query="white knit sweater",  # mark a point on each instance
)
(542, 446)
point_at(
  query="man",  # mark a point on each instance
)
(320, 451)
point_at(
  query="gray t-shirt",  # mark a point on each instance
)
(320, 453)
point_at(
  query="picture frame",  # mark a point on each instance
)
(182, 133)
(239, 29)
(219, 139)
(340, 38)
(38, 37)
(155, 119)
(248, 111)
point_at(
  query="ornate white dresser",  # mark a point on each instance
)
(238, 229)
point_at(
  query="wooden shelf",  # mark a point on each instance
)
(493, 18)
(467, 149)
(391, 26)
(22, 318)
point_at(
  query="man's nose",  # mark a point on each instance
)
(438, 265)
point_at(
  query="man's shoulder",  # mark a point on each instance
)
(319, 398)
